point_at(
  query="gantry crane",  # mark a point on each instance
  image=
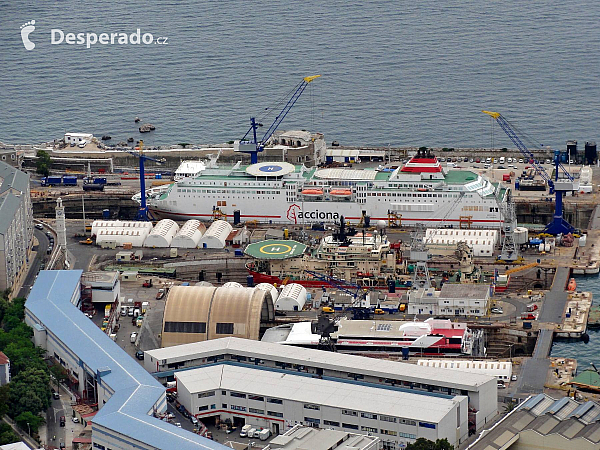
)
(254, 145)
(559, 185)
(142, 213)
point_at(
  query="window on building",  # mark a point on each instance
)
(407, 435)
(224, 328)
(389, 445)
(349, 412)
(311, 406)
(427, 425)
(256, 411)
(185, 327)
(387, 419)
(369, 429)
(311, 420)
(238, 408)
(275, 400)
(350, 426)
(256, 397)
(388, 432)
(237, 394)
(274, 414)
(368, 415)
(203, 408)
(224, 405)
(331, 423)
(206, 394)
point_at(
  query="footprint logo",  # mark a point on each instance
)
(26, 30)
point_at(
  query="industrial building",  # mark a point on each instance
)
(189, 234)
(162, 235)
(16, 226)
(482, 242)
(199, 313)
(216, 235)
(481, 389)
(100, 372)
(454, 299)
(269, 399)
(105, 286)
(98, 225)
(502, 370)
(292, 298)
(300, 437)
(542, 422)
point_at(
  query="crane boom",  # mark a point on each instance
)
(559, 185)
(143, 211)
(254, 146)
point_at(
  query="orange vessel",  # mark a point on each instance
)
(572, 285)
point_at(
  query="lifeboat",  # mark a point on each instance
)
(572, 285)
(422, 189)
(312, 192)
(340, 192)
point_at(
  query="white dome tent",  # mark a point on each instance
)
(98, 225)
(291, 298)
(189, 235)
(269, 288)
(162, 234)
(215, 235)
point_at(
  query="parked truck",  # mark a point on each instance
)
(67, 180)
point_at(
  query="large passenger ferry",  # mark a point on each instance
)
(421, 191)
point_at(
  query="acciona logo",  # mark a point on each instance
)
(88, 39)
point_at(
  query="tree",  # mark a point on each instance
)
(59, 373)
(426, 444)
(7, 435)
(4, 399)
(33, 420)
(43, 163)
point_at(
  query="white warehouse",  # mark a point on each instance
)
(481, 241)
(216, 234)
(133, 236)
(291, 298)
(267, 399)
(98, 225)
(502, 370)
(189, 234)
(162, 234)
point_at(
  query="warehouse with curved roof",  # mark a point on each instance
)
(216, 234)
(133, 236)
(98, 225)
(292, 298)
(162, 234)
(189, 234)
(201, 313)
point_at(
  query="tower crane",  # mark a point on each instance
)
(142, 213)
(559, 185)
(254, 145)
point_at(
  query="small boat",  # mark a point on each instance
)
(312, 192)
(130, 139)
(422, 189)
(136, 120)
(106, 137)
(572, 285)
(340, 192)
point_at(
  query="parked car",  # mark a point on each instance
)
(194, 420)
(139, 355)
(39, 226)
(56, 395)
(160, 294)
(244, 430)
(497, 311)
(521, 160)
(513, 378)
(133, 337)
(62, 421)
(75, 419)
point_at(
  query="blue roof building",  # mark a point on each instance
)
(127, 395)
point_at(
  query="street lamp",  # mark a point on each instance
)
(29, 428)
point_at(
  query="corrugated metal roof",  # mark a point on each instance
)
(317, 391)
(136, 392)
(326, 360)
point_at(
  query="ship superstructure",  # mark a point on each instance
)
(421, 191)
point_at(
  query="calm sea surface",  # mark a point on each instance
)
(394, 72)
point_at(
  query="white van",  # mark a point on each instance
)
(264, 434)
(251, 432)
(486, 166)
(123, 310)
(488, 160)
(450, 164)
(244, 430)
(502, 160)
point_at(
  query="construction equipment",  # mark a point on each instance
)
(518, 269)
(254, 146)
(561, 184)
(142, 213)
(510, 251)
(87, 241)
(147, 283)
(359, 307)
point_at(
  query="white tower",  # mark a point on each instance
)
(61, 228)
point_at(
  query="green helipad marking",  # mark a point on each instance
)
(275, 249)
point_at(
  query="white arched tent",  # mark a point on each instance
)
(162, 234)
(189, 235)
(291, 298)
(216, 235)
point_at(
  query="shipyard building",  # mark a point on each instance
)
(16, 226)
(481, 390)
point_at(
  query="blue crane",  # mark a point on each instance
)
(254, 145)
(142, 213)
(357, 292)
(558, 185)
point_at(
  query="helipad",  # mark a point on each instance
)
(275, 249)
(269, 169)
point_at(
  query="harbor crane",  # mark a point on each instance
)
(142, 213)
(559, 185)
(253, 145)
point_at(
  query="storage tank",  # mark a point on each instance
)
(269, 288)
(590, 152)
(521, 235)
(291, 298)
(572, 150)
